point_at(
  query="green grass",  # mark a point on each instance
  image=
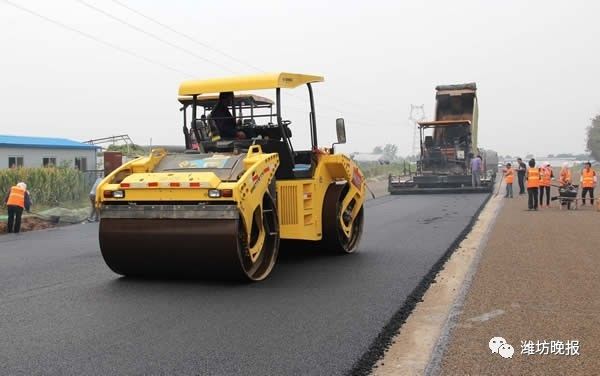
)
(48, 187)
(375, 169)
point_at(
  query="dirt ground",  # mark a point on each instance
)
(537, 281)
(28, 224)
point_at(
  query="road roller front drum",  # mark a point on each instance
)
(191, 248)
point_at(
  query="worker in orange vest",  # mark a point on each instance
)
(565, 175)
(546, 176)
(588, 181)
(533, 184)
(509, 177)
(17, 200)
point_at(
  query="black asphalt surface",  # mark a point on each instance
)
(63, 312)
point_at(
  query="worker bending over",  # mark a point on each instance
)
(588, 181)
(533, 184)
(17, 200)
(564, 177)
(546, 176)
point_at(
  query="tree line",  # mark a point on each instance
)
(593, 138)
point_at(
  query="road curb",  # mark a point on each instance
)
(434, 366)
(384, 339)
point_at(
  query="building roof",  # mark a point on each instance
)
(254, 82)
(42, 143)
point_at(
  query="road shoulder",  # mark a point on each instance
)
(537, 281)
(419, 337)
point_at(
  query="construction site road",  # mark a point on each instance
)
(65, 313)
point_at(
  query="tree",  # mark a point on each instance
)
(378, 150)
(593, 138)
(529, 156)
(550, 155)
(389, 152)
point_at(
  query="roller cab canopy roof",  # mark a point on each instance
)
(240, 100)
(243, 83)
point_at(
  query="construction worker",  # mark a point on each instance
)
(546, 176)
(476, 171)
(509, 177)
(17, 199)
(564, 177)
(533, 184)
(588, 182)
(223, 118)
(94, 213)
(521, 170)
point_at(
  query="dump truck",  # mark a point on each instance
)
(447, 146)
(224, 206)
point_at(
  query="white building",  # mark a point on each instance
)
(22, 151)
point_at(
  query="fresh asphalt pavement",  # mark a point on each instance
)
(63, 312)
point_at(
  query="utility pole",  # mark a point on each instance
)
(417, 114)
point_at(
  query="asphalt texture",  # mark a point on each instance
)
(63, 312)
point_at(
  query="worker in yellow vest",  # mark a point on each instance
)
(17, 200)
(533, 184)
(588, 182)
(546, 176)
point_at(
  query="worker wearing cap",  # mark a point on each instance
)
(17, 200)
(564, 177)
(588, 181)
(533, 184)
(546, 176)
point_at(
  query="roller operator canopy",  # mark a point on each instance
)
(240, 83)
(444, 123)
(211, 100)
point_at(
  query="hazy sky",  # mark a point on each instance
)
(536, 64)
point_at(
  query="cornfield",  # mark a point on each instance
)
(47, 186)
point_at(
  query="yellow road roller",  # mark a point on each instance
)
(222, 207)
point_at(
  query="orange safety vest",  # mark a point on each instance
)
(588, 178)
(16, 197)
(509, 175)
(546, 177)
(533, 178)
(565, 176)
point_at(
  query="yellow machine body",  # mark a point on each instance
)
(221, 213)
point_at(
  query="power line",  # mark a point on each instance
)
(96, 39)
(154, 36)
(186, 36)
(141, 57)
(206, 45)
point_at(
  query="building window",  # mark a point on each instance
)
(81, 163)
(49, 162)
(15, 162)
